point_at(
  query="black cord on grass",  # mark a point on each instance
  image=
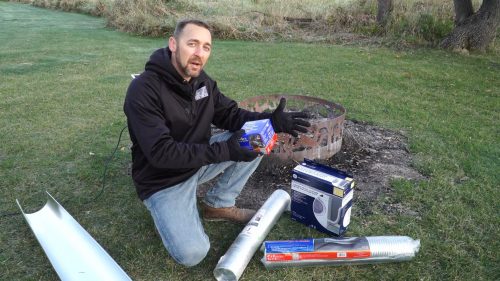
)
(106, 166)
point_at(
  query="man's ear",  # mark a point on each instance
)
(172, 44)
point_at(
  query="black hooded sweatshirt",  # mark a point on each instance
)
(169, 122)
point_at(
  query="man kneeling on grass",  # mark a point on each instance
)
(170, 108)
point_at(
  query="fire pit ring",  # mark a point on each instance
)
(324, 137)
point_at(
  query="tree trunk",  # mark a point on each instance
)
(478, 30)
(463, 10)
(384, 11)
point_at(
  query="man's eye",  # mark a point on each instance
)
(206, 48)
(191, 44)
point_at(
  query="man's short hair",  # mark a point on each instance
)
(181, 24)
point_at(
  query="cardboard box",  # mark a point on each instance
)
(322, 197)
(259, 136)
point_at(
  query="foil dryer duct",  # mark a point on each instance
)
(339, 251)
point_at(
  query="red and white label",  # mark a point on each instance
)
(318, 255)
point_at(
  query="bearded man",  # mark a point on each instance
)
(170, 108)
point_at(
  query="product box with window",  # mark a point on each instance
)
(259, 136)
(322, 197)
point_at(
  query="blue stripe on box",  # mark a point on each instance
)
(289, 246)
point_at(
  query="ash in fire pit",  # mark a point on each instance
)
(372, 154)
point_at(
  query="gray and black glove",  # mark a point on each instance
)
(288, 122)
(238, 153)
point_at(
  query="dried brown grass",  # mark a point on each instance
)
(143, 17)
(302, 20)
(98, 8)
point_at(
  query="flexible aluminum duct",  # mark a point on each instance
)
(338, 251)
(232, 264)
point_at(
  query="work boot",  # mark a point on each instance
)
(233, 214)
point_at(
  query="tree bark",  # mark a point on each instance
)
(384, 11)
(463, 10)
(477, 31)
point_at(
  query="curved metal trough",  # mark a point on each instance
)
(73, 253)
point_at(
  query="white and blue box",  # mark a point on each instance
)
(259, 136)
(322, 197)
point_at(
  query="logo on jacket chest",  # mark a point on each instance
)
(201, 93)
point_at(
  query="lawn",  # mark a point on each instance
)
(63, 79)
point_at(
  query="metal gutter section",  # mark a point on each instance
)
(73, 253)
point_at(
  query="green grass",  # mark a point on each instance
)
(62, 82)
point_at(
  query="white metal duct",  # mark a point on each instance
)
(232, 264)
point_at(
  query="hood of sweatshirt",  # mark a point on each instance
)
(160, 63)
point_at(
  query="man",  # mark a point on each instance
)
(170, 108)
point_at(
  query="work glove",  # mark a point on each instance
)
(238, 153)
(288, 122)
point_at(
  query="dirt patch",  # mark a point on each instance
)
(372, 154)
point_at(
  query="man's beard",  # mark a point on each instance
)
(185, 68)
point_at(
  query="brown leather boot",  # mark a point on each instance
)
(233, 214)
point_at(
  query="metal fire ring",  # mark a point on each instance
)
(324, 137)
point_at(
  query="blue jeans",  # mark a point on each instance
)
(175, 212)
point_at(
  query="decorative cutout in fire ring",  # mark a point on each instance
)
(324, 137)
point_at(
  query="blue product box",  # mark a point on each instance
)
(259, 135)
(322, 197)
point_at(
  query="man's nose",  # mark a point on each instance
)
(199, 52)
